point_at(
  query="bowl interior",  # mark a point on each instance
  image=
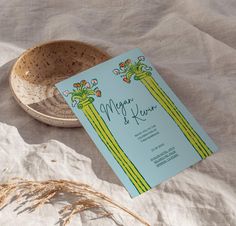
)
(35, 73)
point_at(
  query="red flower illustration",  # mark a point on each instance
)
(122, 64)
(98, 93)
(126, 80)
(76, 85)
(83, 82)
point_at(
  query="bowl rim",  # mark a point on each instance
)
(26, 107)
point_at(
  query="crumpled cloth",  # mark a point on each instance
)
(193, 46)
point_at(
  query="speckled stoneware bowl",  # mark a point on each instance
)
(36, 71)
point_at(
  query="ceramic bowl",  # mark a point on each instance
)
(36, 71)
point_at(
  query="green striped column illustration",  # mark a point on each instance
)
(82, 97)
(142, 73)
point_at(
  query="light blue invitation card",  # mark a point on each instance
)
(139, 125)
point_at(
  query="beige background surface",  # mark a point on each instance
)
(192, 43)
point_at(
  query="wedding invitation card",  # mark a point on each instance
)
(139, 125)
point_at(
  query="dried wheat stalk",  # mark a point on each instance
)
(37, 193)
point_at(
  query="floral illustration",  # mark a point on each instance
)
(83, 93)
(138, 69)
